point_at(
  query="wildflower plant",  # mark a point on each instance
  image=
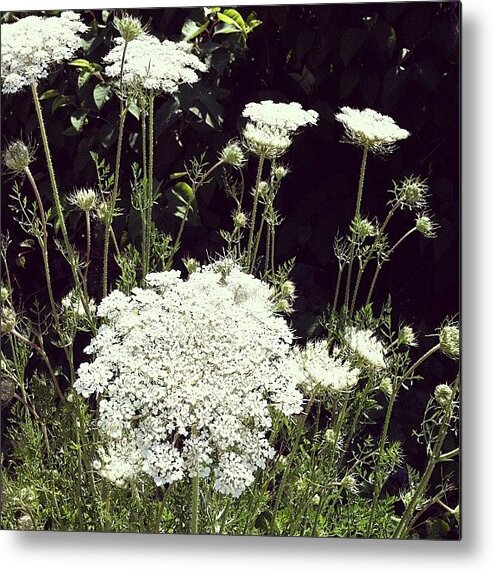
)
(196, 406)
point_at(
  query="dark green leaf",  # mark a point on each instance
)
(351, 42)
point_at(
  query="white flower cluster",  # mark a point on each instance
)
(31, 46)
(271, 126)
(367, 347)
(319, 373)
(190, 369)
(368, 128)
(154, 65)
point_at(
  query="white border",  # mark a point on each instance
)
(81, 552)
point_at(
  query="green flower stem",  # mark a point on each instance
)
(402, 529)
(88, 250)
(250, 262)
(44, 357)
(161, 507)
(272, 250)
(114, 193)
(380, 264)
(195, 505)
(289, 462)
(44, 243)
(267, 250)
(368, 257)
(379, 479)
(112, 204)
(383, 437)
(356, 215)
(337, 289)
(54, 187)
(150, 190)
(195, 189)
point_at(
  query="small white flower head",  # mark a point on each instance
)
(33, 45)
(407, 337)
(85, 200)
(240, 219)
(103, 212)
(412, 192)
(362, 228)
(271, 126)
(450, 341)
(129, 27)
(283, 306)
(152, 65)
(319, 373)
(426, 226)
(18, 156)
(233, 155)
(191, 264)
(265, 141)
(350, 484)
(187, 372)
(73, 305)
(386, 387)
(8, 319)
(366, 347)
(332, 439)
(120, 461)
(4, 294)
(288, 117)
(280, 171)
(443, 395)
(288, 290)
(370, 129)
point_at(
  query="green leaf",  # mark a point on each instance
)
(85, 65)
(191, 30)
(231, 16)
(49, 94)
(182, 195)
(78, 119)
(223, 28)
(351, 42)
(60, 101)
(101, 94)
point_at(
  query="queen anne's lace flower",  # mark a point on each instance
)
(317, 372)
(366, 346)
(368, 128)
(271, 126)
(154, 65)
(31, 46)
(190, 369)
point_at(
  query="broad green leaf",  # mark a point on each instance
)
(223, 28)
(101, 94)
(351, 42)
(78, 119)
(191, 30)
(82, 64)
(234, 17)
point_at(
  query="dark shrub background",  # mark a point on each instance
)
(402, 59)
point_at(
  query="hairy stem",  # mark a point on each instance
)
(256, 193)
(356, 215)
